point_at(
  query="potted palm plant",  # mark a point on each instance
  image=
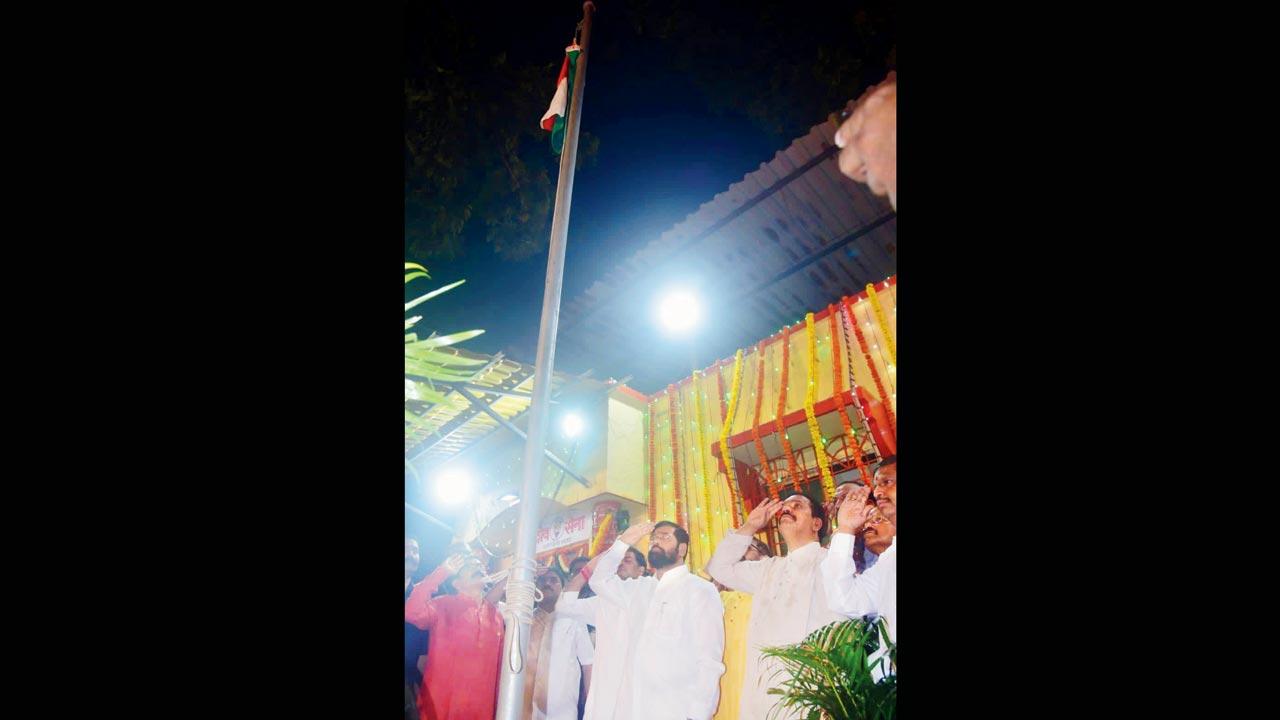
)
(830, 675)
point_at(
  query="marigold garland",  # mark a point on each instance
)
(850, 330)
(765, 470)
(884, 324)
(673, 398)
(720, 394)
(653, 485)
(739, 512)
(595, 541)
(871, 365)
(811, 394)
(782, 410)
(837, 387)
(702, 454)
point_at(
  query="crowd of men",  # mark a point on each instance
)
(631, 635)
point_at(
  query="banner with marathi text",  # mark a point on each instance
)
(563, 531)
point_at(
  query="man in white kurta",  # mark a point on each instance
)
(560, 650)
(613, 642)
(676, 624)
(571, 655)
(788, 600)
(875, 591)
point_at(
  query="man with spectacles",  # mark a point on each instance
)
(878, 535)
(674, 621)
(788, 599)
(466, 641)
(874, 591)
(874, 538)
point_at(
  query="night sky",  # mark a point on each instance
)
(663, 152)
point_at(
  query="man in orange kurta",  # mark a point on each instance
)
(465, 650)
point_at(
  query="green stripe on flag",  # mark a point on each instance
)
(557, 130)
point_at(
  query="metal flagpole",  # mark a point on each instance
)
(520, 587)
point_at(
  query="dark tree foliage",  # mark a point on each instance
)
(478, 168)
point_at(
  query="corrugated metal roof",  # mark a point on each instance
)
(444, 429)
(792, 236)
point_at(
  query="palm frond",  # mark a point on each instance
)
(424, 358)
(438, 291)
(830, 675)
(445, 340)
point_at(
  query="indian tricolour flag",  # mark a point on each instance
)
(553, 121)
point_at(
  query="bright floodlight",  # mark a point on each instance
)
(453, 487)
(679, 311)
(571, 425)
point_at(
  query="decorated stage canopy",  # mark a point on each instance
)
(811, 403)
